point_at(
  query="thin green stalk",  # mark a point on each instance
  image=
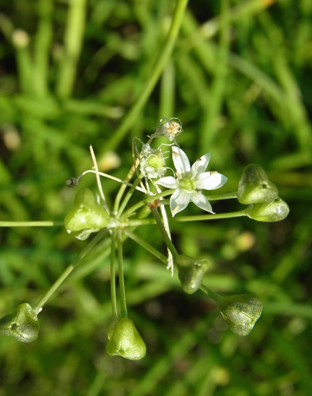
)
(214, 197)
(163, 232)
(113, 278)
(123, 187)
(42, 47)
(67, 271)
(73, 42)
(24, 64)
(136, 223)
(229, 215)
(162, 60)
(217, 92)
(145, 245)
(122, 289)
(129, 194)
(215, 296)
(138, 205)
(30, 223)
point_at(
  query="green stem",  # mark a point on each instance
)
(30, 223)
(146, 201)
(162, 60)
(67, 271)
(73, 39)
(122, 188)
(229, 215)
(214, 197)
(122, 289)
(135, 223)
(113, 278)
(163, 232)
(129, 194)
(40, 75)
(145, 245)
(216, 297)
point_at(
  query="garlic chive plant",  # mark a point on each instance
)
(155, 180)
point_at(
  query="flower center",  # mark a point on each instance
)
(155, 161)
(186, 182)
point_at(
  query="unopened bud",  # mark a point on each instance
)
(255, 187)
(22, 324)
(241, 312)
(125, 341)
(86, 213)
(269, 212)
(191, 272)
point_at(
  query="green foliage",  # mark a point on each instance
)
(238, 78)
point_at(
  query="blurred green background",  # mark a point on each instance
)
(240, 80)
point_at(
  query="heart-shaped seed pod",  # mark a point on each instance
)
(86, 213)
(125, 341)
(191, 272)
(241, 312)
(22, 324)
(255, 187)
(269, 212)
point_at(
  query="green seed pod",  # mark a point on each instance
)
(191, 272)
(241, 312)
(125, 341)
(22, 324)
(254, 186)
(269, 212)
(86, 213)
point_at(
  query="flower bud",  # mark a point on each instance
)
(125, 341)
(254, 186)
(269, 212)
(22, 324)
(86, 213)
(241, 312)
(191, 272)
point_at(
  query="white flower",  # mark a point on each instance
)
(168, 128)
(152, 162)
(190, 181)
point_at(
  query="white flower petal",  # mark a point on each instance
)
(201, 201)
(180, 160)
(210, 180)
(179, 201)
(201, 164)
(169, 182)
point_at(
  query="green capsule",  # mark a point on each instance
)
(241, 312)
(269, 212)
(22, 324)
(125, 341)
(191, 272)
(86, 213)
(255, 187)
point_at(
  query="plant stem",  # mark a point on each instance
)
(163, 232)
(122, 188)
(73, 39)
(215, 296)
(161, 59)
(146, 201)
(214, 197)
(229, 215)
(113, 278)
(145, 245)
(67, 271)
(122, 290)
(30, 223)
(129, 194)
